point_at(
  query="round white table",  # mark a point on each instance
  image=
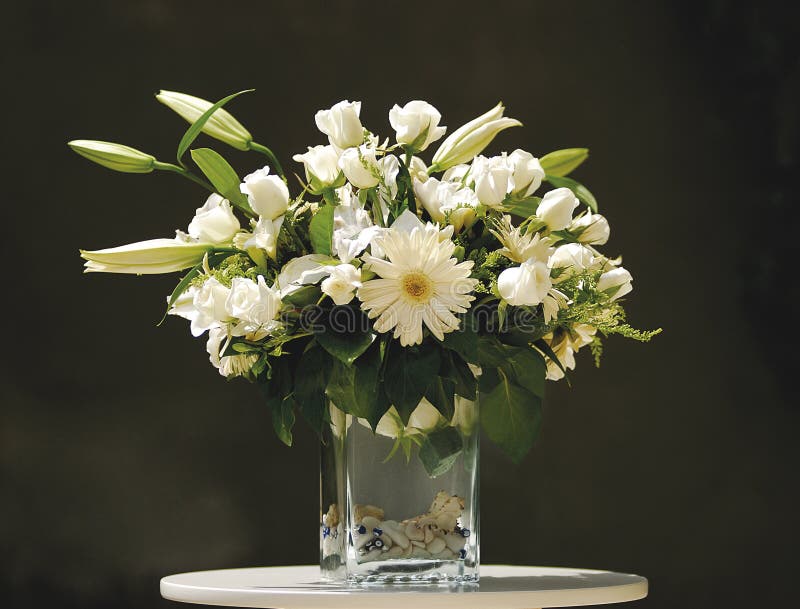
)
(501, 587)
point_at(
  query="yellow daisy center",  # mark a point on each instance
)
(417, 287)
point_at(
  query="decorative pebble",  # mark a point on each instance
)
(326, 531)
(377, 531)
(462, 554)
(414, 533)
(436, 545)
(396, 535)
(465, 532)
(417, 544)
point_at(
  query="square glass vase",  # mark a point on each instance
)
(400, 504)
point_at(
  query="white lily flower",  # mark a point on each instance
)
(353, 231)
(341, 284)
(305, 270)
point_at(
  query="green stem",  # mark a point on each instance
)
(256, 147)
(183, 172)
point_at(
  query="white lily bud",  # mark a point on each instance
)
(469, 140)
(146, 257)
(616, 283)
(526, 284)
(267, 194)
(360, 166)
(591, 228)
(556, 208)
(214, 222)
(114, 156)
(322, 166)
(492, 179)
(527, 173)
(416, 124)
(342, 283)
(221, 125)
(341, 124)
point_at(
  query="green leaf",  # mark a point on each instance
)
(441, 393)
(510, 415)
(407, 374)
(464, 341)
(439, 451)
(321, 230)
(303, 296)
(579, 189)
(548, 351)
(347, 345)
(529, 369)
(524, 208)
(309, 392)
(222, 176)
(562, 162)
(283, 420)
(197, 127)
(357, 390)
(455, 369)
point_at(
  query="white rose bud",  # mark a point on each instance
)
(322, 166)
(526, 284)
(469, 140)
(616, 283)
(528, 173)
(556, 208)
(214, 222)
(416, 124)
(341, 124)
(267, 194)
(146, 257)
(360, 166)
(342, 283)
(492, 179)
(591, 228)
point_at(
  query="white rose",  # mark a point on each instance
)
(616, 283)
(322, 166)
(447, 201)
(342, 283)
(341, 124)
(575, 257)
(556, 208)
(214, 222)
(416, 124)
(527, 173)
(209, 301)
(305, 270)
(564, 352)
(267, 195)
(254, 303)
(265, 236)
(591, 228)
(492, 179)
(418, 169)
(360, 166)
(456, 173)
(526, 284)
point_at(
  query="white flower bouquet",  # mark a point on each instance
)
(385, 281)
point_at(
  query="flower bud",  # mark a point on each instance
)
(360, 166)
(527, 173)
(221, 125)
(214, 222)
(267, 194)
(591, 228)
(469, 140)
(556, 208)
(341, 124)
(615, 283)
(416, 124)
(526, 284)
(114, 156)
(146, 257)
(322, 167)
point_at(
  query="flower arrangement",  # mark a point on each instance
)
(386, 285)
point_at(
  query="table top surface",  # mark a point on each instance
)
(501, 587)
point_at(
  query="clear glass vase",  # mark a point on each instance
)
(400, 505)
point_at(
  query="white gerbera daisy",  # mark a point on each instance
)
(419, 283)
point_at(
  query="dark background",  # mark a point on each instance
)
(125, 457)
